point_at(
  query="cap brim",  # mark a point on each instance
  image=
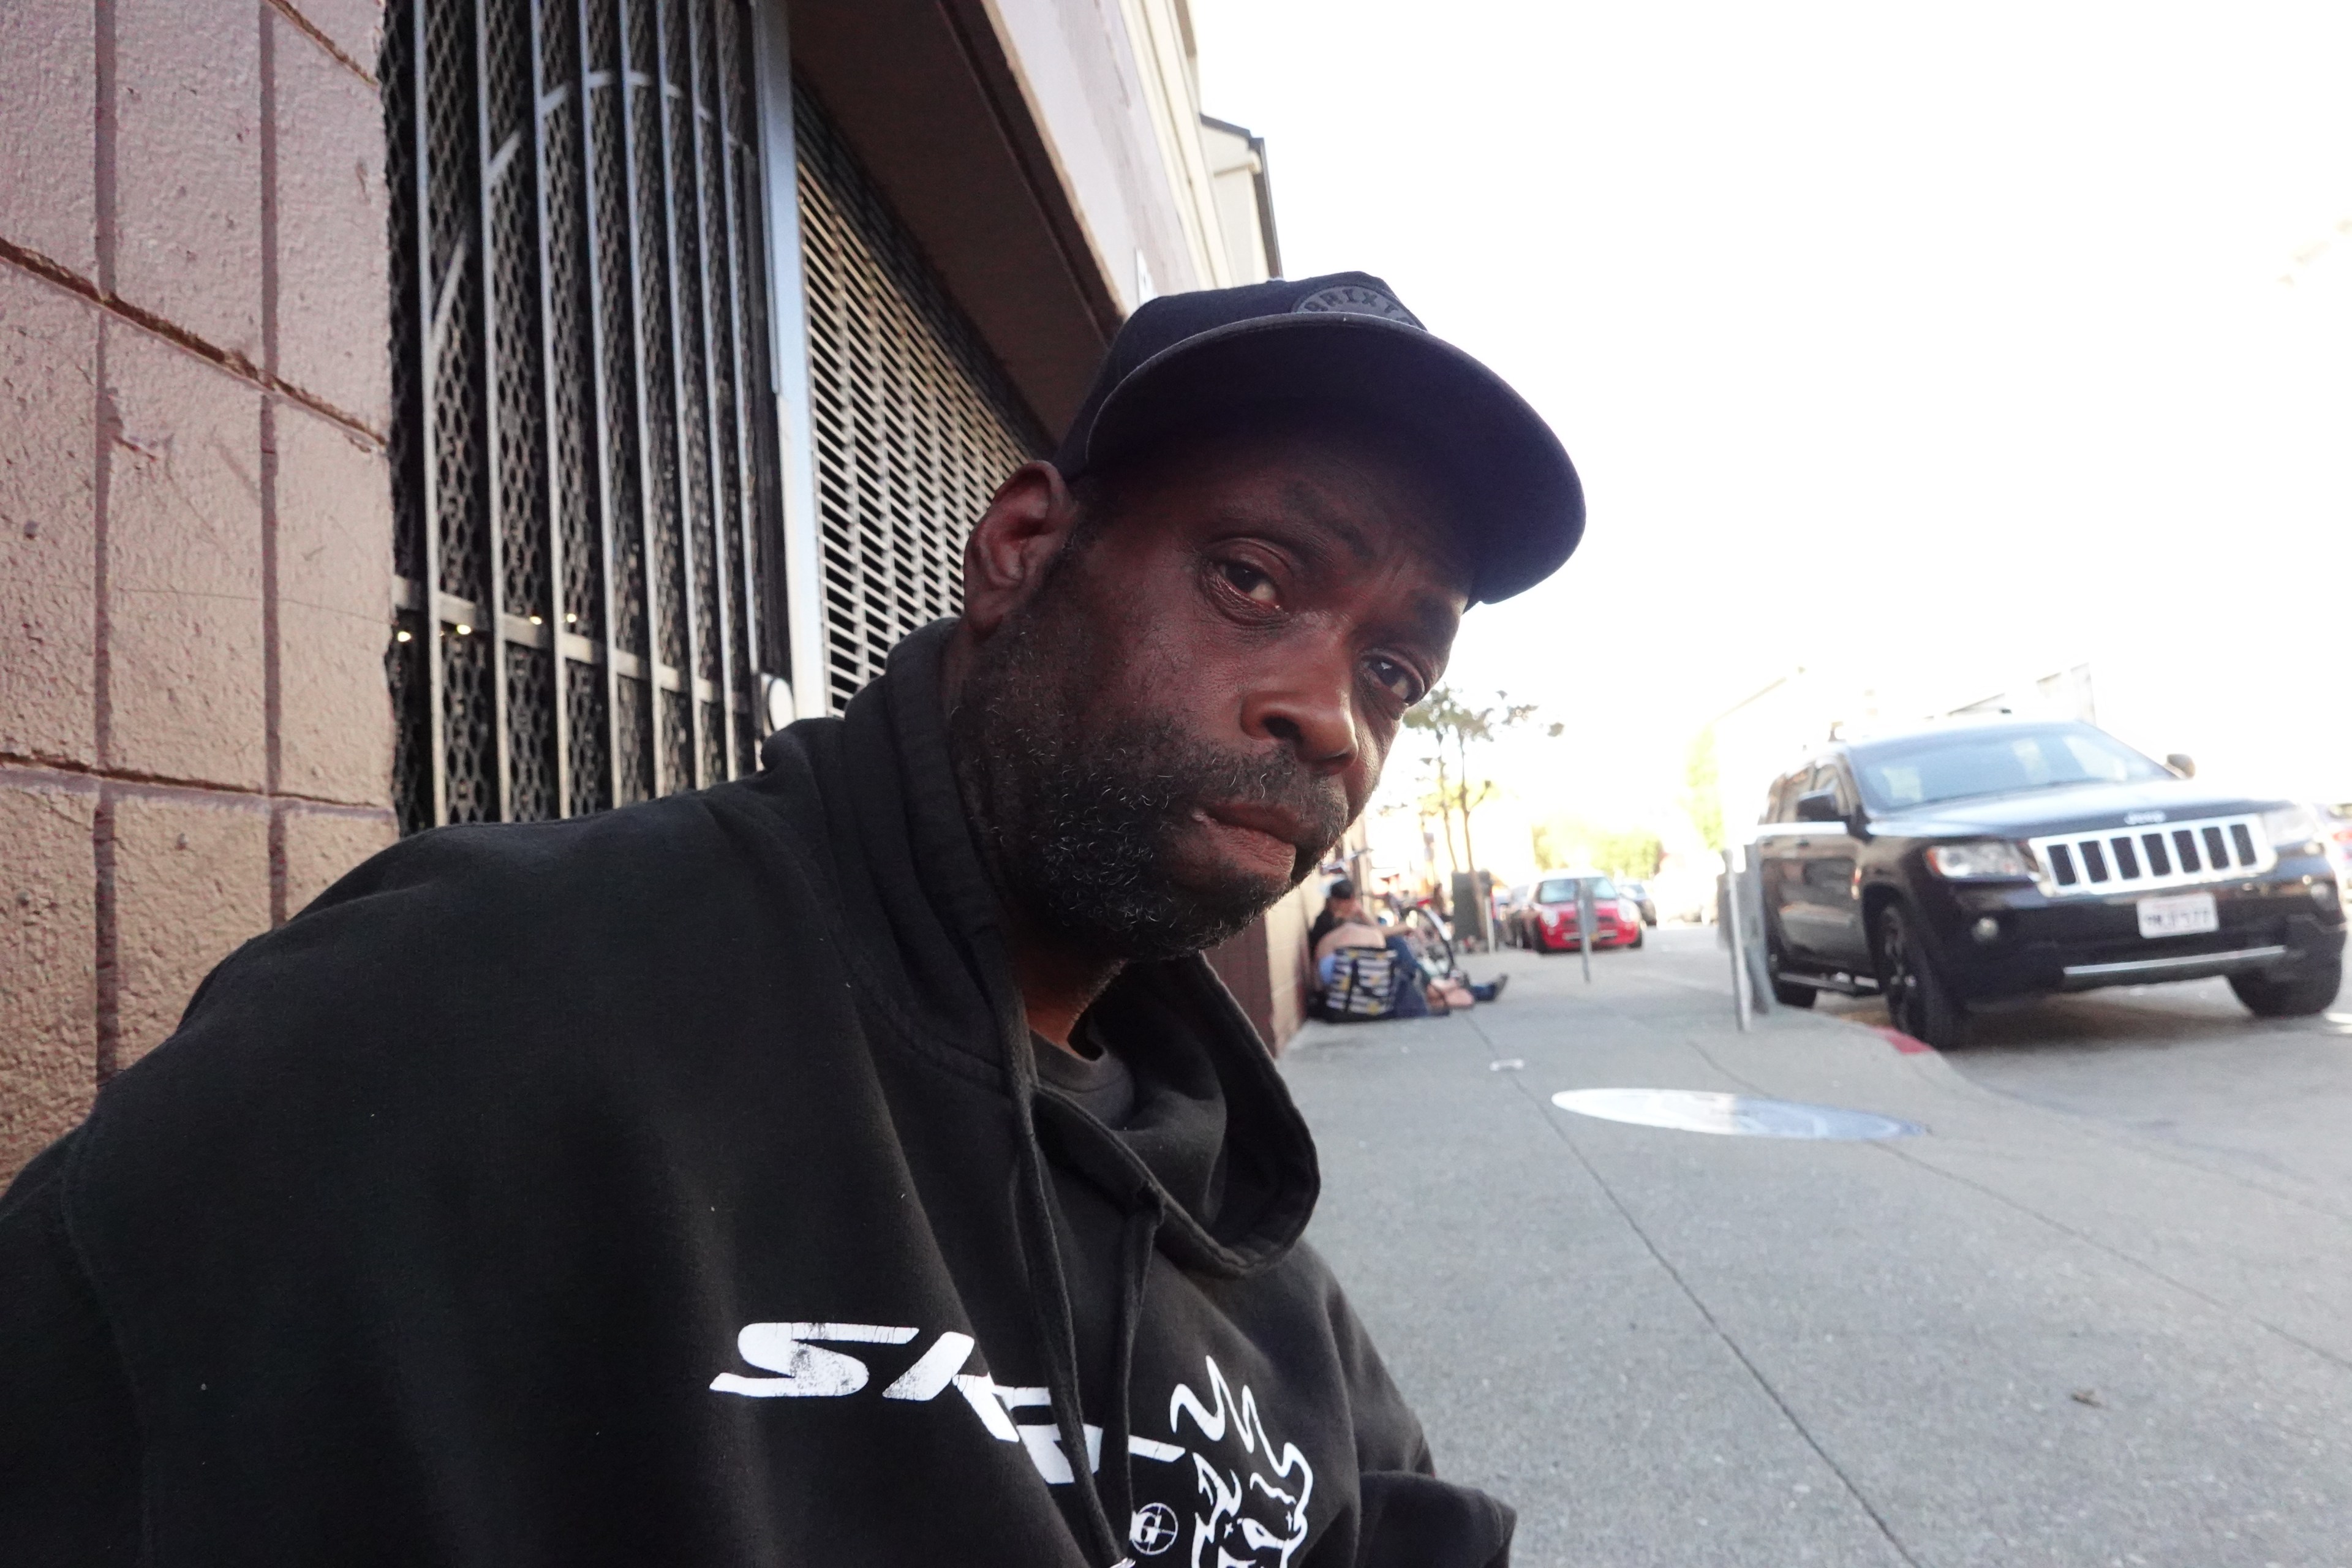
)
(1519, 504)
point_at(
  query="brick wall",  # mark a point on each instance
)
(196, 530)
(1266, 968)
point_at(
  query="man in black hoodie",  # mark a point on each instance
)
(854, 1164)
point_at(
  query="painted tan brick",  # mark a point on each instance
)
(48, 98)
(184, 566)
(355, 26)
(48, 554)
(191, 882)
(334, 293)
(49, 945)
(334, 554)
(320, 845)
(188, 165)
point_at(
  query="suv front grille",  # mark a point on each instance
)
(2132, 860)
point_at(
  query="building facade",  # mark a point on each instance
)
(483, 410)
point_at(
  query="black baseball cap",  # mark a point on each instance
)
(1342, 342)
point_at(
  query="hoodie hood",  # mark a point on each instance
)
(1214, 1140)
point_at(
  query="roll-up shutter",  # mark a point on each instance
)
(583, 436)
(913, 424)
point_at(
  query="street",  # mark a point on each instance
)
(2181, 1063)
(2094, 1314)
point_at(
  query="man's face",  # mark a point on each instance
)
(1171, 725)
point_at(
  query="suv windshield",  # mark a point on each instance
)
(1927, 769)
(1562, 890)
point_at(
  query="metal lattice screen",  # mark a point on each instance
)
(913, 424)
(584, 441)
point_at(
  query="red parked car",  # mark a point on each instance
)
(1550, 916)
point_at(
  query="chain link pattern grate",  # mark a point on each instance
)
(581, 388)
(587, 491)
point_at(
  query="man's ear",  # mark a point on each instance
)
(1013, 544)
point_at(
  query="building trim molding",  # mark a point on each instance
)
(788, 361)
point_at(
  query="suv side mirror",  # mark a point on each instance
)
(2181, 763)
(1822, 806)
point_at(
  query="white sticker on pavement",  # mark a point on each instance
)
(1739, 1115)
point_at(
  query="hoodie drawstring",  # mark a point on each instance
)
(1140, 1234)
(1048, 1281)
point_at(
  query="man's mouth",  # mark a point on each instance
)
(1258, 835)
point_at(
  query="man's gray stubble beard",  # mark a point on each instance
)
(1077, 827)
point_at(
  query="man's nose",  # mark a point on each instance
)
(1312, 713)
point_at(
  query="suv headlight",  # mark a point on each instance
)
(1985, 858)
(2292, 830)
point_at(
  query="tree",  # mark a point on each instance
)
(1441, 801)
(1569, 843)
(1628, 853)
(1703, 796)
(1442, 715)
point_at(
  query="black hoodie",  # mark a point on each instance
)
(674, 1185)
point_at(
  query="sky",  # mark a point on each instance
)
(1937, 346)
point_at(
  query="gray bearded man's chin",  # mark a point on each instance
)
(1080, 823)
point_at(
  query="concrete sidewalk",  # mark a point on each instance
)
(2022, 1338)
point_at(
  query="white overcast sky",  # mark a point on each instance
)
(1916, 340)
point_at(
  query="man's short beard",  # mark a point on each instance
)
(1078, 817)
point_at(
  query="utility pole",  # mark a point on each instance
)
(1731, 903)
(1588, 910)
(1470, 850)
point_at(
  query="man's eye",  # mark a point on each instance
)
(1397, 679)
(1252, 581)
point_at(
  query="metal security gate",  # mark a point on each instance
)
(584, 442)
(913, 423)
(589, 501)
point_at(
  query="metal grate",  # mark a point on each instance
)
(582, 392)
(2133, 861)
(914, 425)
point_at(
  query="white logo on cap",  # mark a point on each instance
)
(1355, 300)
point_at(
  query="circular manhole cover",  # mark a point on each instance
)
(1744, 1115)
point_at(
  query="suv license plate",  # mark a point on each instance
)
(2182, 915)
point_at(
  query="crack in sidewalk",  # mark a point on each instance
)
(1699, 1306)
(2226, 1309)
(2108, 1250)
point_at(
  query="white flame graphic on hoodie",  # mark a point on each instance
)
(1255, 1520)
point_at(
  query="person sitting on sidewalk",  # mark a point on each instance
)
(1340, 905)
(1437, 992)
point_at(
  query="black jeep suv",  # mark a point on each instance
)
(1979, 867)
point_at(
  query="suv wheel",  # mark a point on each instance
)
(1788, 992)
(1917, 999)
(2296, 996)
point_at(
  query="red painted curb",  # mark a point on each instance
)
(1903, 1042)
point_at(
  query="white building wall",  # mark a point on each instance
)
(1114, 92)
(1236, 169)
